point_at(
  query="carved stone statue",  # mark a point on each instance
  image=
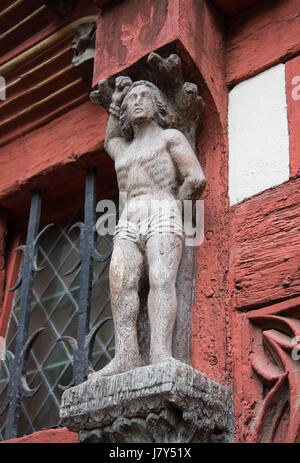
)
(156, 167)
(158, 397)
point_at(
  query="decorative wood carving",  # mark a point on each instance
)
(276, 361)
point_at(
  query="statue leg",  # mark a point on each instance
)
(163, 254)
(124, 276)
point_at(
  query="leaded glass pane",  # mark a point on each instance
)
(54, 307)
(3, 390)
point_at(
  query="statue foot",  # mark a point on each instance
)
(114, 367)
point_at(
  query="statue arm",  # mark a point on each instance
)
(113, 136)
(183, 155)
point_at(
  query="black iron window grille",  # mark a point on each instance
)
(60, 326)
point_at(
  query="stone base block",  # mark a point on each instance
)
(168, 402)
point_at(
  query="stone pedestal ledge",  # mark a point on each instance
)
(168, 402)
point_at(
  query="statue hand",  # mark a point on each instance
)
(122, 85)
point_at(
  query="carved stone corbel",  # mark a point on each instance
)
(163, 403)
(83, 46)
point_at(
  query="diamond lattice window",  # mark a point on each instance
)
(54, 307)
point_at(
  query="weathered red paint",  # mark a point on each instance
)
(202, 32)
(12, 265)
(264, 269)
(47, 436)
(21, 125)
(261, 37)
(279, 418)
(258, 402)
(210, 343)
(229, 7)
(45, 24)
(62, 141)
(292, 70)
(233, 7)
(3, 236)
(125, 35)
(265, 247)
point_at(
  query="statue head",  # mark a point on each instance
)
(143, 102)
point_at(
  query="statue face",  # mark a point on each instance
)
(141, 105)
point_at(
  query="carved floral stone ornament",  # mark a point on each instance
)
(148, 392)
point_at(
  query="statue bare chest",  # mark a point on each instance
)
(144, 167)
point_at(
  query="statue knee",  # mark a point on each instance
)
(123, 273)
(160, 278)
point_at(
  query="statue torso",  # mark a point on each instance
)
(145, 170)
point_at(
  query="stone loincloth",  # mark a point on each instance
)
(159, 223)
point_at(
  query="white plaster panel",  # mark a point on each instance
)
(258, 134)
